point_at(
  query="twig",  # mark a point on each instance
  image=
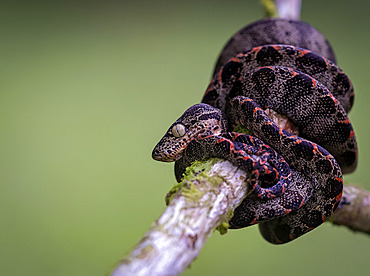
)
(270, 8)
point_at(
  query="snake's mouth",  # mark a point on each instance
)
(165, 157)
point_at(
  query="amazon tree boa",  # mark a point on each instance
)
(295, 179)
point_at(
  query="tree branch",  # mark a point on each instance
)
(202, 202)
(354, 211)
(289, 9)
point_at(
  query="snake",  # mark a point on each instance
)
(295, 179)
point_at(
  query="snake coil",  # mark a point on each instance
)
(295, 180)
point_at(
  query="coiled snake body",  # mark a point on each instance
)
(295, 182)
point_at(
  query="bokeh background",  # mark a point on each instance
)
(87, 90)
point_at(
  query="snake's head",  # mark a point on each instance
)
(200, 120)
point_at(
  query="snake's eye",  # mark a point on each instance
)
(178, 130)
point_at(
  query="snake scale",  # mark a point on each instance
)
(295, 179)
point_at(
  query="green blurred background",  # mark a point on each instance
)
(87, 90)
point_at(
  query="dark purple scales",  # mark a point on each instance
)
(313, 168)
(275, 31)
(305, 61)
(308, 103)
(308, 88)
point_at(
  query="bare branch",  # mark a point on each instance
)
(289, 9)
(355, 209)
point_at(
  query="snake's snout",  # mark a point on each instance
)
(156, 155)
(169, 155)
(159, 155)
